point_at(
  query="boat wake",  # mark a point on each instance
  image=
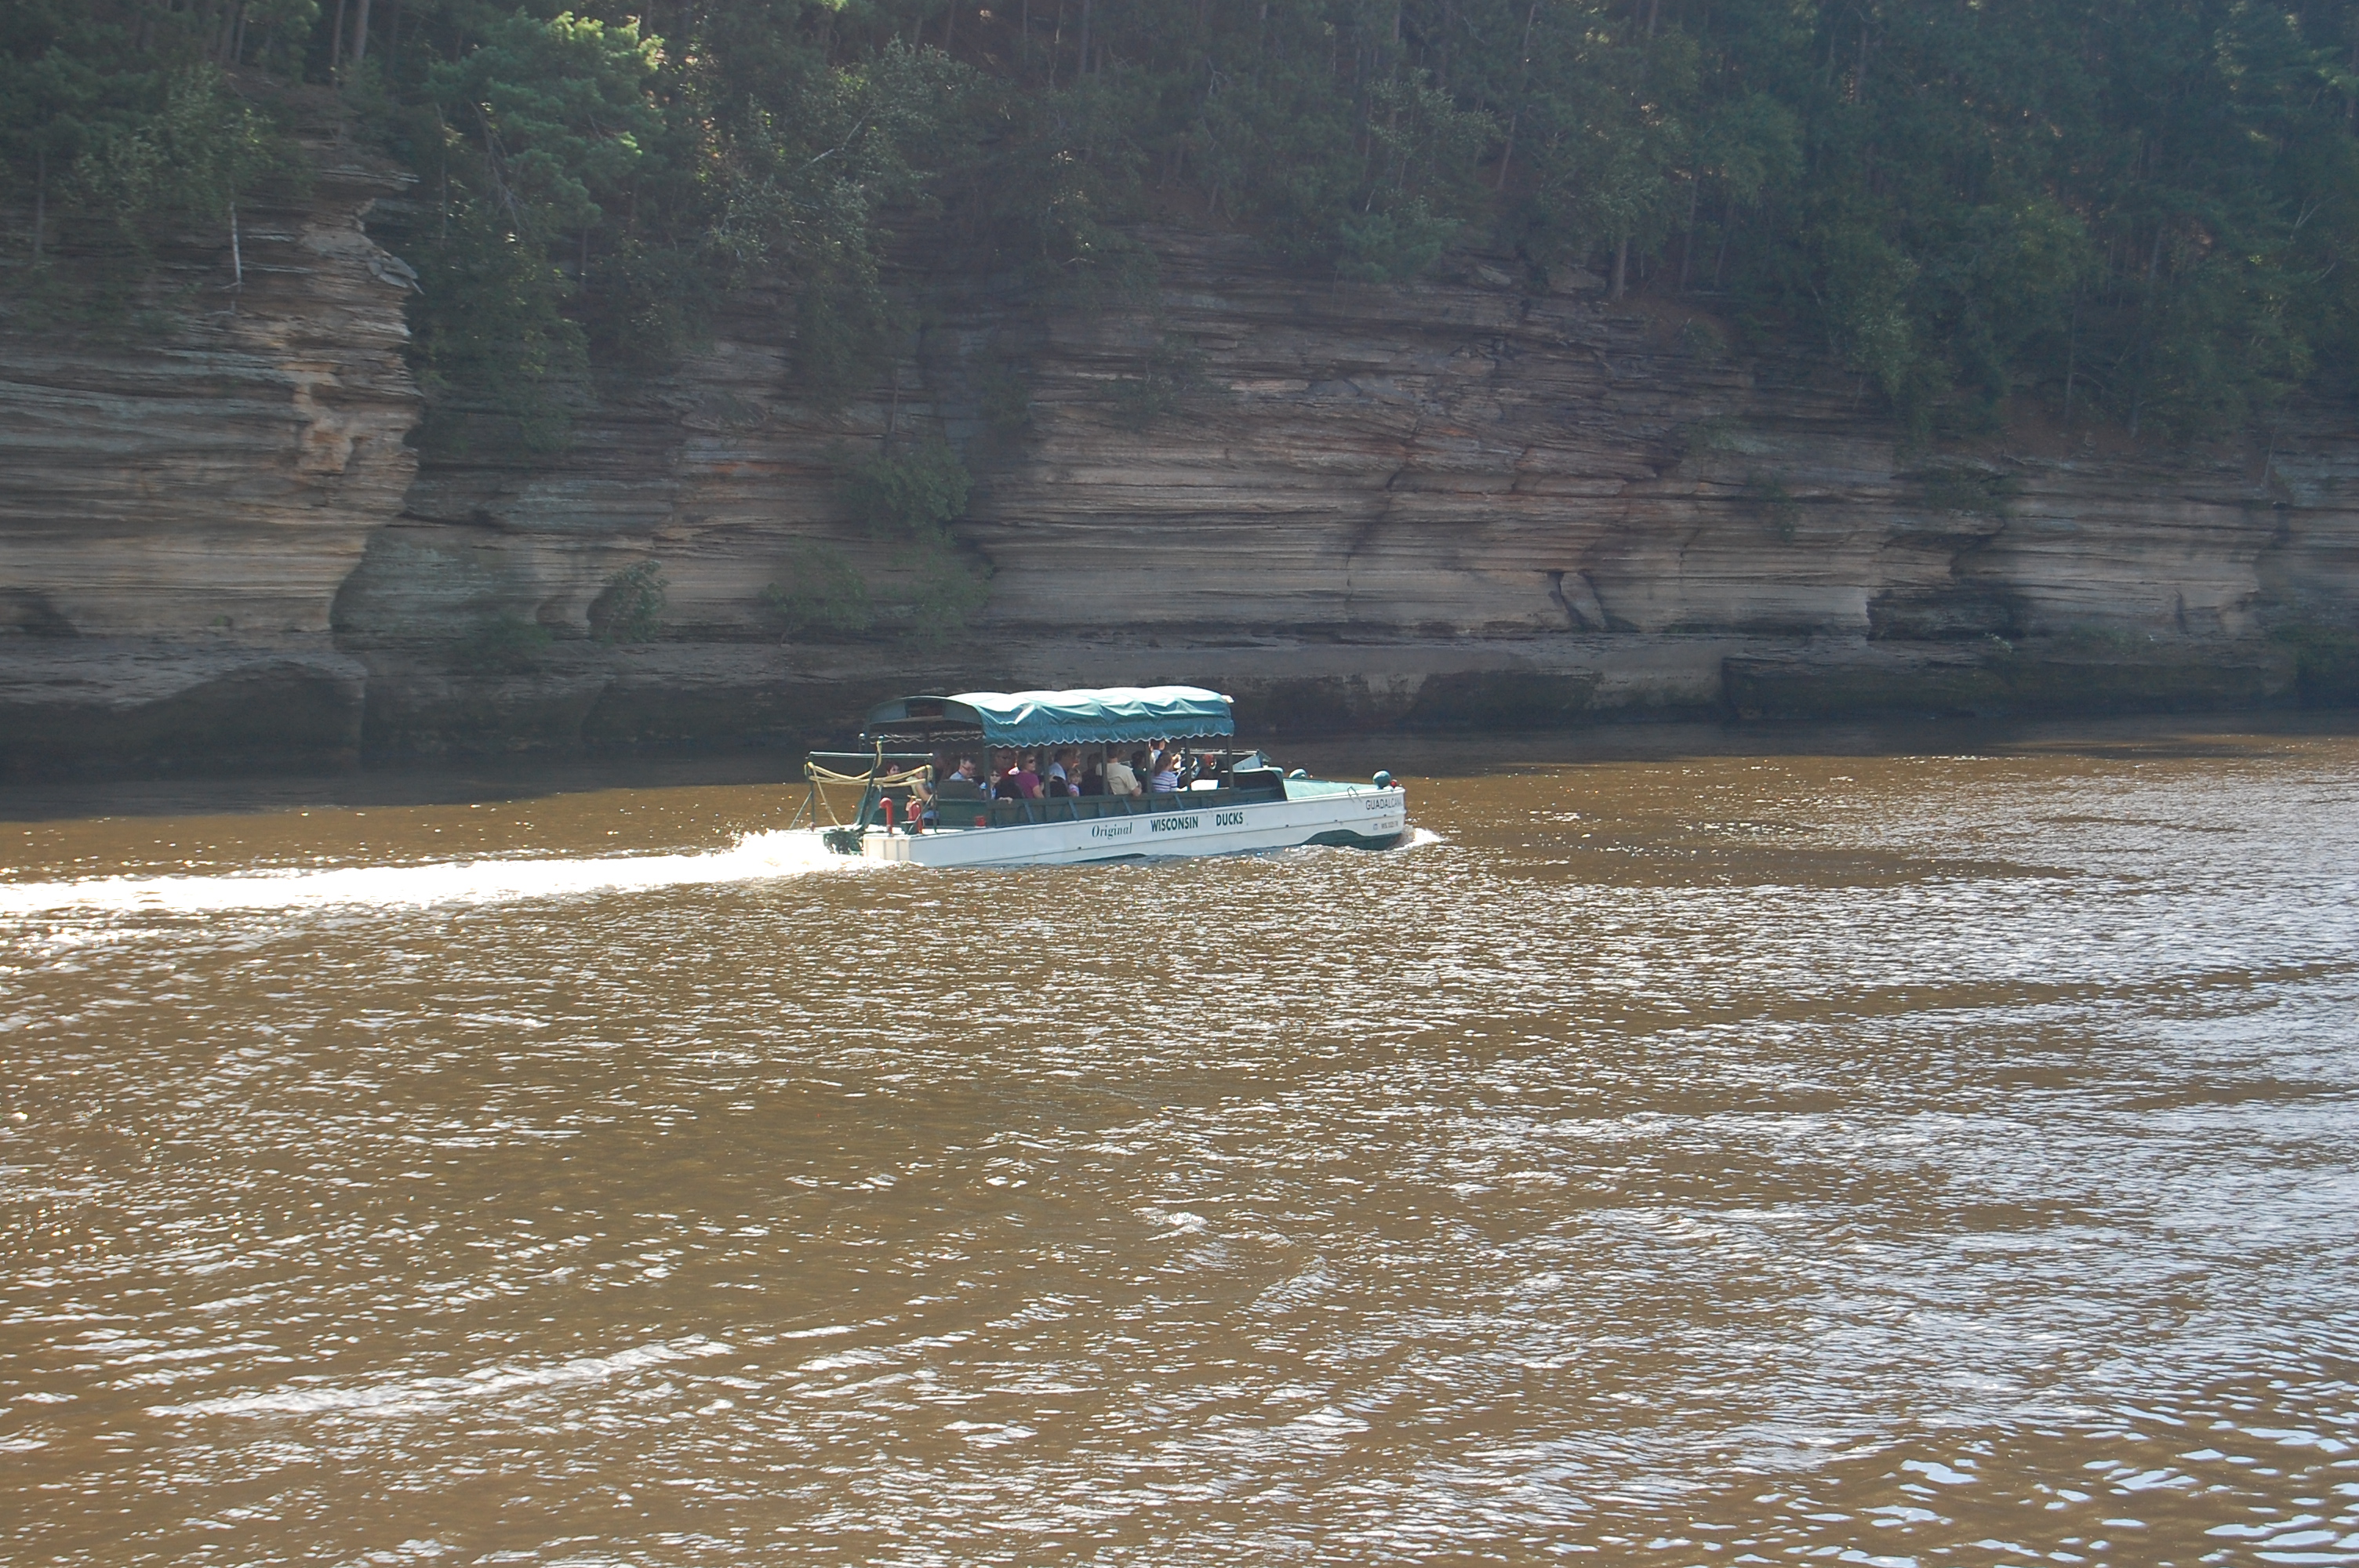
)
(754, 857)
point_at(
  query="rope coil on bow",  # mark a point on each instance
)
(921, 776)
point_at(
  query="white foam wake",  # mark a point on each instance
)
(754, 857)
(402, 1395)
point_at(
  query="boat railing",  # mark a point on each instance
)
(1091, 807)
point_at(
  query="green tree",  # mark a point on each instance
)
(2139, 210)
(120, 128)
(533, 138)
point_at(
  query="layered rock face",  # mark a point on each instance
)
(182, 493)
(1455, 503)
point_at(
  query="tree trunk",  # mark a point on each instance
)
(950, 25)
(40, 197)
(1522, 85)
(1620, 266)
(1687, 246)
(336, 45)
(1522, 82)
(1085, 36)
(2072, 356)
(2145, 313)
(360, 33)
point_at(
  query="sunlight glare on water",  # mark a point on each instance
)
(1940, 1156)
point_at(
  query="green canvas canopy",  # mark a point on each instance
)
(1064, 718)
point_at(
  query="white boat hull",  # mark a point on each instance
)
(1360, 815)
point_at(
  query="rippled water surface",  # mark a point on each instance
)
(1948, 1156)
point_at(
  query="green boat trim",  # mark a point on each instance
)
(1092, 716)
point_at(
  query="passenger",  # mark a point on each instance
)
(1008, 786)
(1064, 774)
(1093, 778)
(1166, 779)
(965, 773)
(1028, 775)
(1119, 779)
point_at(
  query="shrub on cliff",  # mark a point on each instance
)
(629, 609)
(944, 594)
(911, 495)
(1170, 369)
(505, 645)
(928, 598)
(912, 491)
(822, 595)
(2326, 663)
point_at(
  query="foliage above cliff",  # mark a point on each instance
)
(2136, 210)
(119, 129)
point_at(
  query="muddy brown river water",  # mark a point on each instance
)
(1920, 1150)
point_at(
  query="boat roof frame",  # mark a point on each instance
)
(1082, 716)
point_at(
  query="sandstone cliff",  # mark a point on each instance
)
(181, 494)
(1453, 504)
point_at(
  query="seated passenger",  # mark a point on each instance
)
(1008, 787)
(1028, 775)
(1166, 779)
(1093, 778)
(1119, 779)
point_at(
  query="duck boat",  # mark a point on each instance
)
(914, 808)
